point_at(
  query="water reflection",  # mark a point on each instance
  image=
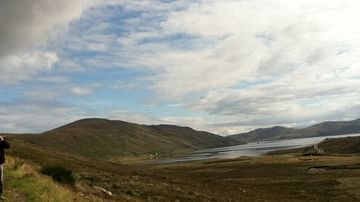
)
(251, 149)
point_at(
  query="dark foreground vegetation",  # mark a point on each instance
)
(59, 173)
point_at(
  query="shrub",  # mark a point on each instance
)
(59, 174)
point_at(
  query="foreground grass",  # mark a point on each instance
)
(266, 178)
(24, 183)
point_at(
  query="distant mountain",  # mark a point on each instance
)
(262, 134)
(102, 138)
(278, 132)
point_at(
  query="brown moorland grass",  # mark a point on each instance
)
(266, 178)
(106, 139)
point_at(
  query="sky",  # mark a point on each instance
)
(224, 66)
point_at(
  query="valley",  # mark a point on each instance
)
(179, 101)
(285, 176)
(270, 178)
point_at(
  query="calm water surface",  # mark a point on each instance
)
(251, 149)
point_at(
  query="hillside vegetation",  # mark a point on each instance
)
(347, 145)
(278, 132)
(25, 183)
(101, 138)
(266, 178)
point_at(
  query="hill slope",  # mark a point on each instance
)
(347, 145)
(330, 146)
(278, 132)
(101, 138)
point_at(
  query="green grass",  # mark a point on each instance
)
(24, 179)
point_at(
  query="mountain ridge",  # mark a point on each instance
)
(103, 138)
(326, 128)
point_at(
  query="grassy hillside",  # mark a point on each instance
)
(263, 134)
(278, 132)
(267, 178)
(348, 145)
(334, 128)
(330, 146)
(101, 138)
(25, 183)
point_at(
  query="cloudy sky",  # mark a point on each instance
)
(224, 66)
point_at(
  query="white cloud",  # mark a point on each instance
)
(19, 67)
(261, 39)
(55, 79)
(246, 63)
(253, 62)
(26, 117)
(57, 88)
(133, 117)
(26, 27)
(30, 23)
(43, 94)
(81, 90)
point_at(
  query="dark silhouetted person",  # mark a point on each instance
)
(3, 145)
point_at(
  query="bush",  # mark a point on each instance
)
(59, 174)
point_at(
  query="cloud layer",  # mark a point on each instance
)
(255, 62)
(26, 28)
(222, 65)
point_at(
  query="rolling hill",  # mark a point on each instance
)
(330, 146)
(347, 145)
(278, 132)
(102, 138)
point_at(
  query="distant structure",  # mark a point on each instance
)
(153, 155)
(318, 149)
(315, 150)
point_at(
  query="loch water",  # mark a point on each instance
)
(251, 149)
